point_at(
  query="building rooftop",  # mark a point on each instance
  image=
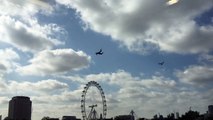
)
(21, 97)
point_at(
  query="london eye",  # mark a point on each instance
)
(93, 114)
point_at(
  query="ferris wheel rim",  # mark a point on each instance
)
(83, 99)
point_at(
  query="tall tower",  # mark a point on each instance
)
(20, 108)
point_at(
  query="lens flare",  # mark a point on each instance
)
(171, 2)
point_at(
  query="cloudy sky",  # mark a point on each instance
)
(47, 52)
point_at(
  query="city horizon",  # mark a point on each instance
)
(131, 113)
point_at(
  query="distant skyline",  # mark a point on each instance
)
(47, 52)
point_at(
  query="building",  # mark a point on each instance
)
(52, 119)
(20, 108)
(68, 118)
(210, 109)
(209, 115)
(124, 117)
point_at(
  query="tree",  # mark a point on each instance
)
(45, 118)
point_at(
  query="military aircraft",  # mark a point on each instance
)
(100, 52)
(161, 63)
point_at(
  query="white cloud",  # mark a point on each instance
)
(39, 86)
(21, 29)
(7, 60)
(24, 8)
(3, 100)
(125, 79)
(62, 97)
(206, 57)
(3, 85)
(49, 62)
(32, 37)
(143, 25)
(8, 54)
(160, 82)
(197, 75)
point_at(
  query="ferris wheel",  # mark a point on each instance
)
(93, 113)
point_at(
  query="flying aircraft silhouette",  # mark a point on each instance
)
(100, 52)
(161, 63)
